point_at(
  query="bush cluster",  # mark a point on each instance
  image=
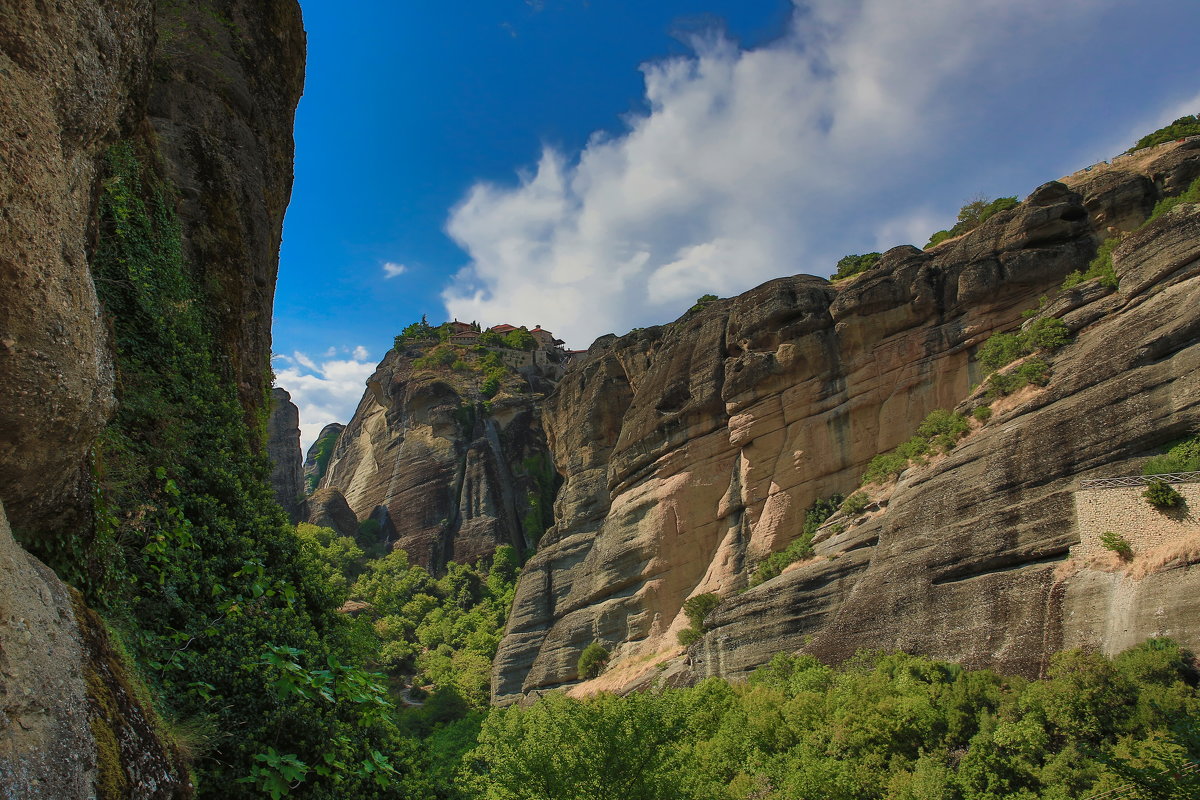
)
(855, 264)
(971, 216)
(1161, 494)
(592, 661)
(1001, 349)
(1117, 544)
(882, 726)
(1179, 129)
(1100, 268)
(1033, 371)
(200, 571)
(801, 548)
(697, 608)
(1183, 456)
(1190, 195)
(939, 432)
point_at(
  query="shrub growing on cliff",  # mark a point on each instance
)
(1034, 372)
(982, 413)
(592, 661)
(1116, 543)
(855, 504)
(1190, 195)
(1001, 349)
(1179, 129)
(1100, 268)
(971, 216)
(1161, 494)
(697, 608)
(884, 467)
(1184, 456)
(801, 548)
(855, 264)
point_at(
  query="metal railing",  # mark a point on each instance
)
(1139, 480)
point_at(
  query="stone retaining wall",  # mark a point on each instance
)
(1125, 511)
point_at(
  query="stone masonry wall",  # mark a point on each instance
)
(1124, 511)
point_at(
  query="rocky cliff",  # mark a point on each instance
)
(453, 475)
(691, 451)
(283, 448)
(205, 92)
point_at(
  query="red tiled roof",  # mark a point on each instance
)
(503, 327)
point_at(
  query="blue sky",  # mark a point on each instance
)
(595, 166)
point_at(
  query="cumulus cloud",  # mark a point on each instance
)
(391, 269)
(325, 391)
(748, 164)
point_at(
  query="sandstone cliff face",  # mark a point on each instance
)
(211, 88)
(691, 451)
(283, 448)
(317, 458)
(71, 78)
(454, 478)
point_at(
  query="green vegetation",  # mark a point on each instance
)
(592, 661)
(801, 548)
(1190, 195)
(1161, 494)
(701, 303)
(322, 451)
(1179, 129)
(854, 264)
(1001, 349)
(1183, 456)
(1100, 268)
(939, 432)
(520, 339)
(883, 726)
(441, 631)
(1045, 335)
(971, 216)
(697, 608)
(982, 413)
(1033, 371)
(191, 559)
(1117, 544)
(416, 332)
(855, 504)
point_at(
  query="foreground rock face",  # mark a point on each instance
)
(210, 88)
(70, 723)
(283, 448)
(453, 477)
(72, 76)
(692, 451)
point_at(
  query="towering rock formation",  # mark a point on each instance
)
(283, 448)
(454, 475)
(317, 458)
(691, 451)
(210, 89)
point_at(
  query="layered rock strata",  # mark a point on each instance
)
(691, 451)
(317, 458)
(283, 448)
(210, 89)
(454, 477)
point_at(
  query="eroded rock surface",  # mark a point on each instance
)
(691, 451)
(457, 477)
(283, 448)
(208, 90)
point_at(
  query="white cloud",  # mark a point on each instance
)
(391, 269)
(749, 164)
(324, 392)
